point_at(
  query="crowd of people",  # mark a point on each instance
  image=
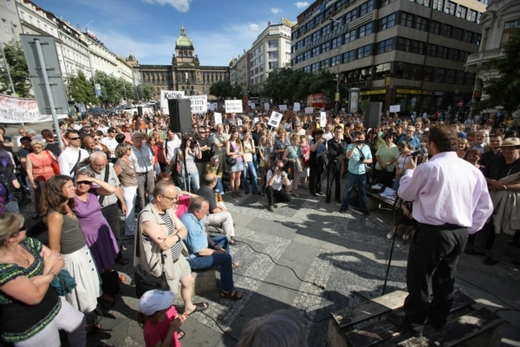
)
(170, 187)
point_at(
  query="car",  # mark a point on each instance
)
(96, 111)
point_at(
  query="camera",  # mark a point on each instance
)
(361, 158)
(358, 142)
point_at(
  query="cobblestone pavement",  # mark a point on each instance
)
(344, 253)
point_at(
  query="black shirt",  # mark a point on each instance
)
(208, 194)
(488, 156)
(337, 150)
(498, 168)
(206, 155)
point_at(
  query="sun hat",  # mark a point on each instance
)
(155, 300)
(510, 142)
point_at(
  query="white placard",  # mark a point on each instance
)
(234, 106)
(255, 120)
(218, 117)
(210, 106)
(282, 107)
(266, 106)
(395, 108)
(309, 110)
(199, 103)
(22, 110)
(323, 119)
(252, 105)
(239, 121)
(296, 106)
(167, 95)
(275, 119)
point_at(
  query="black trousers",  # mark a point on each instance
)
(280, 195)
(433, 257)
(315, 176)
(111, 214)
(334, 172)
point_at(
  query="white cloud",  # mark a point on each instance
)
(301, 4)
(179, 5)
(215, 48)
(276, 10)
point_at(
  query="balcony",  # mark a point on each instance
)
(479, 60)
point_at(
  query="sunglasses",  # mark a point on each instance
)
(84, 182)
(73, 138)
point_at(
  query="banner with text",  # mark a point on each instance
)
(323, 119)
(233, 106)
(296, 107)
(199, 103)
(309, 110)
(275, 119)
(22, 110)
(167, 95)
(218, 117)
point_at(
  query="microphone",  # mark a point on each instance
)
(420, 152)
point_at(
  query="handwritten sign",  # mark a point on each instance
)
(395, 108)
(199, 103)
(233, 106)
(296, 107)
(218, 117)
(282, 107)
(167, 95)
(323, 119)
(275, 119)
(309, 110)
(22, 110)
(266, 106)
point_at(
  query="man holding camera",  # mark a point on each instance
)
(276, 178)
(358, 155)
(335, 154)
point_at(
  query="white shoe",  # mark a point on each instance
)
(389, 235)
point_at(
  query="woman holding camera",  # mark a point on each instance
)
(189, 168)
(234, 150)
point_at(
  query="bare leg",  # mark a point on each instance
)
(186, 289)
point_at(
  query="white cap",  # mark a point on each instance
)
(155, 300)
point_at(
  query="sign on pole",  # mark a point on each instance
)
(97, 88)
(395, 108)
(275, 119)
(233, 106)
(323, 119)
(199, 103)
(296, 106)
(167, 95)
(218, 117)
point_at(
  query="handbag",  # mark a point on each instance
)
(110, 282)
(54, 163)
(145, 281)
(298, 163)
(229, 159)
(63, 283)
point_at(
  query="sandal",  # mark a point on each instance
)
(235, 264)
(234, 295)
(180, 334)
(121, 277)
(199, 307)
(123, 261)
(232, 242)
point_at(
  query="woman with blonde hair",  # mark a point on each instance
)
(39, 171)
(462, 148)
(234, 150)
(31, 311)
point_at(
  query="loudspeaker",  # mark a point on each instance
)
(140, 110)
(373, 115)
(180, 115)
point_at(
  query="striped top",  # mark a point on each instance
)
(177, 248)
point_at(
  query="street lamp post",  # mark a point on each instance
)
(337, 98)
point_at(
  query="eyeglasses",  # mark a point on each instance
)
(97, 139)
(84, 182)
(73, 138)
(170, 198)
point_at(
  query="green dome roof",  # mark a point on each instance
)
(183, 40)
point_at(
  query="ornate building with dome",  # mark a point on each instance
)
(185, 72)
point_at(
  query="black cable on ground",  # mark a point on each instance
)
(222, 329)
(288, 267)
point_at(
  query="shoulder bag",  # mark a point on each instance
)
(230, 161)
(54, 163)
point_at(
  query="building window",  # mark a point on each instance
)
(431, 50)
(442, 52)
(385, 46)
(325, 30)
(401, 70)
(335, 60)
(273, 65)
(454, 54)
(421, 23)
(349, 56)
(349, 17)
(365, 30)
(367, 7)
(387, 22)
(462, 12)
(406, 19)
(450, 8)
(478, 39)
(447, 30)
(273, 44)
(418, 47)
(315, 67)
(472, 16)
(316, 51)
(336, 42)
(438, 5)
(4, 23)
(435, 28)
(350, 36)
(463, 56)
(458, 33)
(325, 47)
(450, 76)
(381, 71)
(469, 80)
(325, 63)
(468, 36)
(404, 44)
(386, 2)
(459, 77)
(428, 73)
(364, 51)
(307, 55)
(439, 75)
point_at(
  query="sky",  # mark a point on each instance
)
(219, 29)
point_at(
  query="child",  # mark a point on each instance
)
(159, 319)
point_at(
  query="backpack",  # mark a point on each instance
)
(6, 174)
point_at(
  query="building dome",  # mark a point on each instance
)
(183, 40)
(130, 57)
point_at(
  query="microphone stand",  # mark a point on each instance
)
(398, 202)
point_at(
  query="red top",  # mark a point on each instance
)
(41, 168)
(156, 332)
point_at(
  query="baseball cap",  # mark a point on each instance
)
(155, 300)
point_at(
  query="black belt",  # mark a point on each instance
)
(445, 225)
(143, 173)
(176, 260)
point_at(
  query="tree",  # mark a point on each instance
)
(80, 90)
(148, 90)
(503, 90)
(221, 89)
(112, 88)
(18, 68)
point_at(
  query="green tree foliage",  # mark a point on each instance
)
(17, 67)
(148, 90)
(112, 89)
(221, 89)
(504, 90)
(80, 89)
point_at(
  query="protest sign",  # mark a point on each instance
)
(218, 117)
(395, 108)
(233, 106)
(282, 107)
(323, 119)
(199, 103)
(309, 110)
(296, 106)
(275, 119)
(266, 106)
(22, 110)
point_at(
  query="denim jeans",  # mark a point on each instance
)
(193, 180)
(219, 188)
(352, 181)
(252, 174)
(215, 260)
